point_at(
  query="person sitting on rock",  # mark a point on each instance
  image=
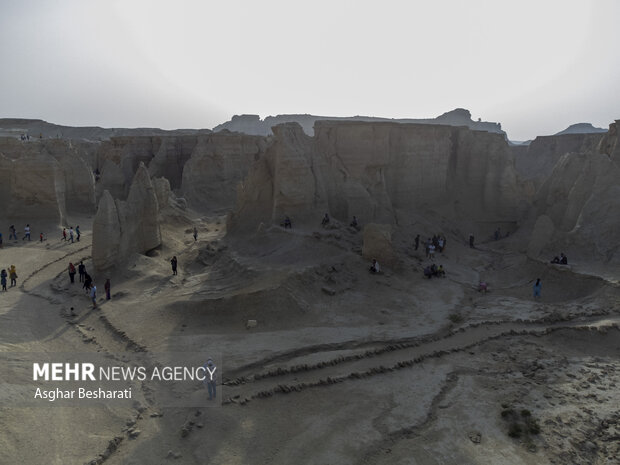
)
(441, 273)
(428, 272)
(374, 266)
(563, 259)
(287, 223)
(354, 223)
(556, 259)
(325, 220)
(482, 287)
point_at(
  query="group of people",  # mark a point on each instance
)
(12, 275)
(71, 234)
(287, 223)
(88, 285)
(434, 271)
(436, 243)
(561, 260)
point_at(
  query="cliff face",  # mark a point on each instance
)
(42, 180)
(579, 203)
(379, 172)
(121, 227)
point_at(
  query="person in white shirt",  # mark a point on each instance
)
(26, 232)
(374, 267)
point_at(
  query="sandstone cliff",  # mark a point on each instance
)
(380, 172)
(121, 227)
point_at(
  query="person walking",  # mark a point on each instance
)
(471, 241)
(26, 232)
(41, 237)
(72, 272)
(93, 295)
(13, 275)
(64, 234)
(417, 242)
(71, 234)
(3, 279)
(107, 287)
(195, 234)
(81, 271)
(77, 233)
(174, 263)
(537, 288)
(87, 282)
(12, 232)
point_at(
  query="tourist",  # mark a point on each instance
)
(195, 234)
(81, 271)
(374, 266)
(497, 234)
(3, 275)
(563, 259)
(72, 272)
(441, 273)
(13, 275)
(537, 288)
(287, 223)
(325, 220)
(41, 237)
(440, 244)
(107, 287)
(482, 287)
(12, 232)
(174, 263)
(417, 242)
(431, 251)
(64, 234)
(26, 232)
(210, 378)
(471, 241)
(77, 233)
(87, 282)
(93, 295)
(71, 234)
(354, 223)
(0, 240)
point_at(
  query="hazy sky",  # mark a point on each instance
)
(535, 66)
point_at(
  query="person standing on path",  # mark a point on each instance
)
(26, 232)
(12, 232)
(72, 272)
(13, 275)
(64, 234)
(3, 279)
(174, 263)
(71, 234)
(417, 242)
(93, 295)
(77, 233)
(471, 241)
(81, 271)
(210, 378)
(537, 288)
(0, 240)
(107, 287)
(195, 234)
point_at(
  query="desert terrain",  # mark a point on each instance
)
(319, 360)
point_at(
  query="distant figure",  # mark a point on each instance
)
(354, 223)
(72, 272)
(3, 275)
(563, 259)
(482, 287)
(81, 271)
(556, 260)
(210, 378)
(174, 262)
(41, 237)
(77, 233)
(374, 266)
(87, 282)
(64, 234)
(0, 240)
(325, 220)
(441, 273)
(471, 241)
(26, 232)
(13, 275)
(93, 295)
(287, 223)
(431, 251)
(195, 234)
(71, 234)
(537, 288)
(440, 244)
(497, 234)
(107, 286)
(417, 242)
(12, 232)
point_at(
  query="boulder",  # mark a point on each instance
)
(378, 244)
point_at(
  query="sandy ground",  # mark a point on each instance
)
(342, 367)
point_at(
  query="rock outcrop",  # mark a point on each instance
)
(125, 227)
(378, 244)
(581, 198)
(380, 172)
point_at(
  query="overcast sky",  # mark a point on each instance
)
(536, 66)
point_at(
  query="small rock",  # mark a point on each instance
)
(328, 291)
(134, 434)
(475, 437)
